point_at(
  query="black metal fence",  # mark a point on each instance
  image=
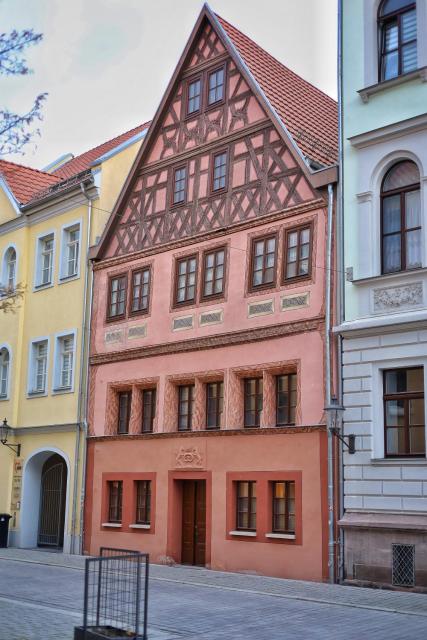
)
(116, 596)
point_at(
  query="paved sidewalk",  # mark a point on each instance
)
(362, 598)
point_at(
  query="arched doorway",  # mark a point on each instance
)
(52, 502)
(45, 500)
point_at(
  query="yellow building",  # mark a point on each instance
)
(48, 221)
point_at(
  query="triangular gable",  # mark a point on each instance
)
(139, 218)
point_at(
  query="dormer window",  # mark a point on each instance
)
(401, 218)
(194, 96)
(397, 22)
(216, 86)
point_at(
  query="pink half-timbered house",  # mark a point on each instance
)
(207, 436)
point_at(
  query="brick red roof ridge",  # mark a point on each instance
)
(270, 55)
(309, 114)
(84, 160)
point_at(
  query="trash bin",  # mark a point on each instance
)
(4, 529)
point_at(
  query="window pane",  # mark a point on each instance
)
(415, 379)
(395, 412)
(391, 253)
(416, 411)
(417, 441)
(391, 36)
(409, 26)
(413, 249)
(402, 174)
(390, 6)
(409, 57)
(412, 209)
(391, 214)
(391, 65)
(395, 441)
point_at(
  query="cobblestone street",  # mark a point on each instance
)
(41, 597)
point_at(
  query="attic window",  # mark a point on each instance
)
(194, 96)
(216, 86)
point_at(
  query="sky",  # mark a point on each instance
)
(106, 63)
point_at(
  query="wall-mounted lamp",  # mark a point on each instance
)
(4, 432)
(349, 441)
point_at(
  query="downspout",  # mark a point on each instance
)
(340, 290)
(328, 372)
(84, 364)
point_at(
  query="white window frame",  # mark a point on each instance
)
(57, 360)
(31, 392)
(38, 261)
(4, 271)
(6, 396)
(378, 368)
(63, 257)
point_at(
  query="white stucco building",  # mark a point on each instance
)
(384, 321)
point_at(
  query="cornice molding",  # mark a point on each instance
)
(389, 132)
(261, 431)
(211, 342)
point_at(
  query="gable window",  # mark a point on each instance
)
(44, 266)
(38, 366)
(70, 253)
(213, 273)
(117, 297)
(143, 502)
(283, 507)
(397, 22)
(185, 407)
(148, 409)
(401, 218)
(194, 93)
(286, 398)
(246, 506)
(216, 86)
(140, 290)
(219, 175)
(214, 404)
(298, 253)
(64, 362)
(179, 185)
(115, 497)
(253, 401)
(4, 372)
(263, 261)
(186, 270)
(10, 269)
(404, 412)
(125, 399)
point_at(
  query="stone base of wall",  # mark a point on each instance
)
(368, 547)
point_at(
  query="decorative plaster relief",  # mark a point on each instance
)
(114, 335)
(137, 331)
(261, 308)
(398, 298)
(211, 317)
(296, 300)
(182, 323)
(189, 458)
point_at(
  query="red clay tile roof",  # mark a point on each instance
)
(310, 115)
(84, 160)
(25, 182)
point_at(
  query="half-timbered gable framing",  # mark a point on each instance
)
(213, 113)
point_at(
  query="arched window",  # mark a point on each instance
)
(401, 218)
(10, 269)
(4, 372)
(397, 23)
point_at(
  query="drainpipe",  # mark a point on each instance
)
(84, 367)
(328, 372)
(340, 290)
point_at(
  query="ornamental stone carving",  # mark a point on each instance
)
(398, 298)
(188, 458)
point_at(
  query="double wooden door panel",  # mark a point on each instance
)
(193, 522)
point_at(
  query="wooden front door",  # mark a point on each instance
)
(193, 522)
(52, 502)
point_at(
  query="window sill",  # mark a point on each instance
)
(385, 277)
(417, 462)
(36, 394)
(112, 525)
(140, 526)
(64, 279)
(40, 287)
(61, 390)
(3, 398)
(246, 534)
(281, 536)
(393, 82)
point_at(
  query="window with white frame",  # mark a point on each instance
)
(70, 251)
(64, 362)
(4, 372)
(38, 367)
(9, 266)
(44, 267)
